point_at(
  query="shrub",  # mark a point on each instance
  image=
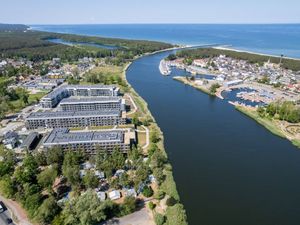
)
(159, 219)
(159, 195)
(151, 205)
(147, 191)
(171, 201)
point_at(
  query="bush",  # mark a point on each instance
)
(159, 195)
(128, 206)
(159, 219)
(151, 205)
(147, 191)
(176, 215)
(171, 201)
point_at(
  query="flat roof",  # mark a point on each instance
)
(94, 86)
(64, 88)
(63, 136)
(72, 114)
(78, 100)
(30, 138)
(54, 93)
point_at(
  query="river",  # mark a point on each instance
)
(228, 169)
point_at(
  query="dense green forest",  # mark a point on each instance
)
(34, 45)
(13, 27)
(252, 58)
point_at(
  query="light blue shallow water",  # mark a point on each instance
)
(268, 39)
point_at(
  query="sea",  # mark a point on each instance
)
(273, 39)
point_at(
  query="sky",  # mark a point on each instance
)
(149, 11)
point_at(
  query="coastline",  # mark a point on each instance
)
(270, 125)
(252, 52)
(184, 81)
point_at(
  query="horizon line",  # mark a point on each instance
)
(59, 24)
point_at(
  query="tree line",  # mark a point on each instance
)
(191, 54)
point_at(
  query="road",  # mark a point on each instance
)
(3, 216)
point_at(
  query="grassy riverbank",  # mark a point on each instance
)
(270, 124)
(174, 213)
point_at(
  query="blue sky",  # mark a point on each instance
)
(149, 11)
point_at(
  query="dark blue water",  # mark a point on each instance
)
(70, 43)
(228, 169)
(268, 39)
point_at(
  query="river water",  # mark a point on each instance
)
(228, 169)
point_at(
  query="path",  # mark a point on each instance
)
(133, 103)
(147, 136)
(17, 211)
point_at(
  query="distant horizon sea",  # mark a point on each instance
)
(273, 39)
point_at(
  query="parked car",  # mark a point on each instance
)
(9, 220)
(1, 207)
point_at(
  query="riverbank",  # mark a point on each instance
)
(198, 87)
(175, 213)
(274, 126)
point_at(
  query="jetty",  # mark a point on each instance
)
(164, 68)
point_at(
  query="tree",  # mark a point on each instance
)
(71, 167)
(213, 88)
(147, 191)
(128, 206)
(47, 211)
(41, 158)
(154, 136)
(135, 120)
(28, 171)
(32, 203)
(7, 186)
(159, 175)
(117, 159)
(47, 177)
(171, 57)
(90, 180)
(7, 163)
(141, 175)
(72, 175)
(55, 155)
(124, 180)
(87, 209)
(158, 159)
(151, 205)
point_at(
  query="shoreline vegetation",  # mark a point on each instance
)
(165, 204)
(175, 213)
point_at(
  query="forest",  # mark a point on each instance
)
(251, 58)
(34, 45)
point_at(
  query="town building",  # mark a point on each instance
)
(60, 119)
(53, 98)
(91, 141)
(92, 103)
(232, 83)
(10, 139)
(31, 141)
